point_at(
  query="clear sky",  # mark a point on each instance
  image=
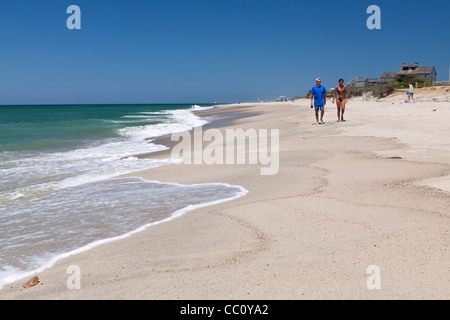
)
(145, 51)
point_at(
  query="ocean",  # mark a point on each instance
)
(59, 194)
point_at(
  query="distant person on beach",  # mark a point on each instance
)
(340, 94)
(319, 94)
(411, 93)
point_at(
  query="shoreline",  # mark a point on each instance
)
(219, 117)
(222, 118)
(48, 264)
(309, 232)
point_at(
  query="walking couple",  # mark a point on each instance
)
(319, 95)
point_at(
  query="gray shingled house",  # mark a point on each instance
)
(427, 73)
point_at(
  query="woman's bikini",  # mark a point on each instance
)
(341, 92)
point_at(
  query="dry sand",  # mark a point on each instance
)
(347, 196)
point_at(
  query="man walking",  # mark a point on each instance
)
(319, 94)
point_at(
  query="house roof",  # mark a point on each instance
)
(419, 70)
(358, 79)
(389, 74)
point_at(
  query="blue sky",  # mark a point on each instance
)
(144, 51)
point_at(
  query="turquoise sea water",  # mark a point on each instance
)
(58, 128)
(58, 191)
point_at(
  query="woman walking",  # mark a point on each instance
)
(340, 94)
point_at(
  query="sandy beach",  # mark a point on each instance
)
(371, 191)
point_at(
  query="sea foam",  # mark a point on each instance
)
(57, 204)
(77, 219)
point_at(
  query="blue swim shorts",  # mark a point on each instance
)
(319, 107)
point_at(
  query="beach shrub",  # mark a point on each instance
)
(356, 92)
(379, 90)
(402, 81)
(383, 90)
